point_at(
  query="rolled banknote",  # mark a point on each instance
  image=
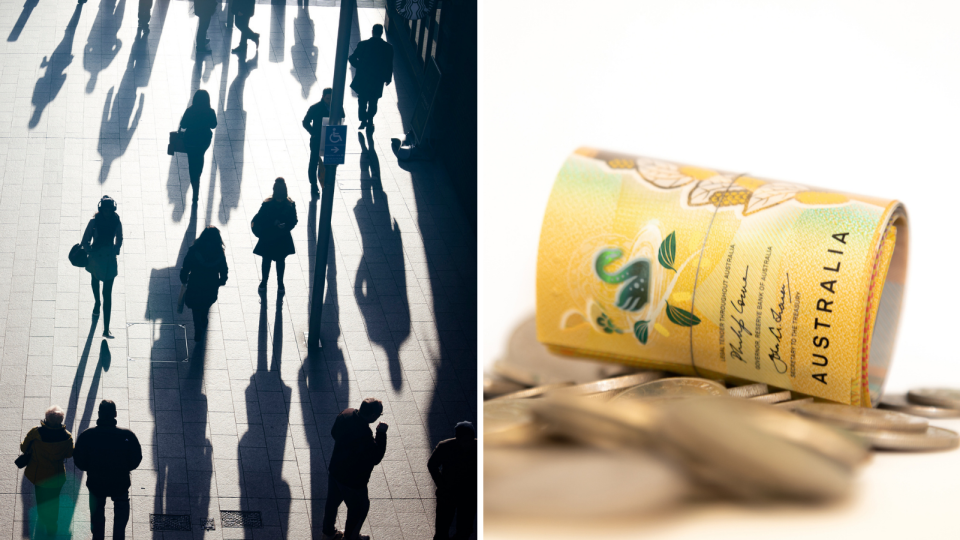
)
(722, 275)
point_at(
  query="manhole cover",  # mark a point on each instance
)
(237, 519)
(169, 522)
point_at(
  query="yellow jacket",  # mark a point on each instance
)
(49, 446)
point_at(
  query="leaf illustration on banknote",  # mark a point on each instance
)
(771, 194)
(668, 251)
(681, 317)
(664, 175)
(634, 277)
(641, 330)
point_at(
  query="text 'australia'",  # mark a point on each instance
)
(822, 316)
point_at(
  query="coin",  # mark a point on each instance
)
(862, 418)
(793, 404)
(672, 388)
(899, 402)
(536, 391)
(774, 397)
(615, 383)
(948, 398)
(503, 414)
(748, 390)
(595, 423)
(531, 363)
(494, 386)
(933, 438)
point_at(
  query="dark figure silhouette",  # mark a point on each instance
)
(313, 122)
(373, 60)
(453, 466)
(242, 12)
(143, 16)
(108, 454)
(197, 123)
(48, 445)
(49, 85)
(204, 271)
(102, 240)
(355, 453)
(272, 225)
(203, 9)
(22, 20)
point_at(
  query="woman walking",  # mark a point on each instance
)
(198, 123)
(102, 240)
(272, 225)
(48, 445)
(204, 272)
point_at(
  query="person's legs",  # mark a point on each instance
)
(358, 505)
(202, 32)
(334, 498)
(446, 507)
(265, 271)
(121, 513)
(200, 314)
(371, 110)
(98, 520)
(195, 165)
(143, 14)
(362, 110)
(314, 162)
(281, 266)
(95, 285)
(107, 304)
(466, 517)
(242, 22)
(48, 508)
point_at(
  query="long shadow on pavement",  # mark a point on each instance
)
(103, 44)
(22, 20)
(48, 86)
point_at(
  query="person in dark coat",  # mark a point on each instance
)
(313, 122)
(197, 123)
(272, 225)
(453, 466)
(108, 453)
(102, 240)
(355, 453)
(143, 16)
(242, 11)
(204, 10)
(48, 445)
(204, 271)
(373, 60)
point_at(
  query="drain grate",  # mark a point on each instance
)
(238, 519)
(169, 522)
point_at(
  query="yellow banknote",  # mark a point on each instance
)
(722, 275)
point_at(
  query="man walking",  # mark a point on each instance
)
(242, 12)
(355, 453)
(313, 122)
(108, 454)
(373, 59)
(143, 16)
(203, 9)
(453, 466)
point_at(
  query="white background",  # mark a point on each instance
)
(861, 97)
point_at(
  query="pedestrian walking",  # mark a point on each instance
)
(242, 12)
(48, 445)
(356, 451)
(143, 16)
(203, 9)
(272, 225)
(102, 240)
(204, 271)
(373, 60)
(197, 123)
(108, 453)
(453, 466)
(313, 122)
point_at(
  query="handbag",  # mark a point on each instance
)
(256, 226)
(78, 257)
(183, 293)
(176, 143)
(24, 459)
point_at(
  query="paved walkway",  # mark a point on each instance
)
(244, 423)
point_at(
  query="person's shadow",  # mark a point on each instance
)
(381, 283)
(236, 124)
(304, 52)
(103, 45)
(22, 20)
(49, 85)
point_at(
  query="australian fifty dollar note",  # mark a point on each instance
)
(722, 275)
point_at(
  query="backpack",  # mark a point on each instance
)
(78, 257)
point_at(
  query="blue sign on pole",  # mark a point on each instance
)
(334, 144)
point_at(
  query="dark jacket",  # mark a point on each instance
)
(355, 450)
(102, 240)
(373, 59)
(49, 446)
(199, 124)
(108, 454)
(204, 275)
(454, 468)
(275, 242)
(204, 8)
(313, 121)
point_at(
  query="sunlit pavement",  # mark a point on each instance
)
(244, 423)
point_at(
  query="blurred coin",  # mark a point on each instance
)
(536, 391)
(565, 481)
(793, 404)
(933, 438)
(494, 386)
(615, 383)
(774, 397)
(529, 362)
(948, 398)
(899, 402)
(672, 388)
(503, 414)
(850, 417)
(748, 390)
(595, 423)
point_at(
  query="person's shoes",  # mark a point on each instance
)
(336, 536)
(107, 334)
(96, 308)
(241, 48)
(256, 40)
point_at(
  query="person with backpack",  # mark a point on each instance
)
(102, 240)
(204, 271)
(272, 224)
(48, 445)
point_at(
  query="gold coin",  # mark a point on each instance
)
(933, 438)
(748, 390)
(900, 403)
(609, 385)
(536, 391)
(948, 398)
(672, 388)
(861, 418)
